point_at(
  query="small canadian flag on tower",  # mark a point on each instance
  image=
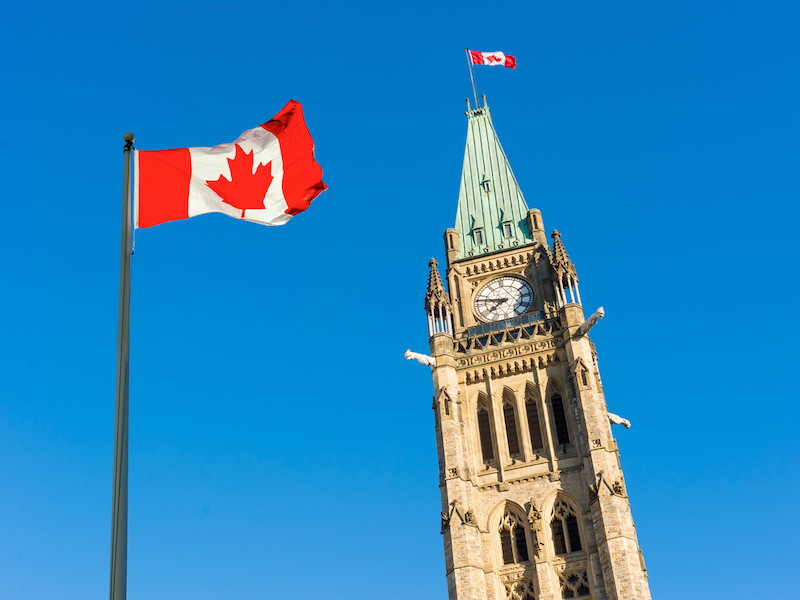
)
(267, 176)
(493, 59)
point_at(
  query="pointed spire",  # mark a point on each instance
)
(492, 213)
(565, 278)
(436, 297)
(561, 262)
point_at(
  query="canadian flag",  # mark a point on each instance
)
(493, 59)
(268, 175)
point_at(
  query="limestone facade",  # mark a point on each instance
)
(534, 502)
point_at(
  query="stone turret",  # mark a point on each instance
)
(565, 278)
(437, 303)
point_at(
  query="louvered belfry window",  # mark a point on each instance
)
(564, 527)
(521, 543)
(485, 433)
(573, 534)
(511, 429)
(513, 538)
(533, 425)
(562, 432)
(506, 547)
(559, 541)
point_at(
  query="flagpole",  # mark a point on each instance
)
(119, 518)
(471, 78)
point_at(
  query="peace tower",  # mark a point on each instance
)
(534, 503)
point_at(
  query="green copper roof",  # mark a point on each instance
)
(489, 199)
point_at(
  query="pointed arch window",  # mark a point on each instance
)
(485, 433)
(513, 538)
(520, 590)
(511, 428)
(564, 527)
(560, 418)
(574, 585)
(534, 426)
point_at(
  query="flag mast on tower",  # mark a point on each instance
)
(492, 59)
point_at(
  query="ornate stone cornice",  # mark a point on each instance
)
(493, 264)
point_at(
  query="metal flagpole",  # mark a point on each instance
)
(471, 78)
(119, 518)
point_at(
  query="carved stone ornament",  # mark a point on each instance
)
(615, 489)
(421, 358)
(535, 524)
(467, 517)
(534, 517)
(445, 523)
(617, 420)
(590, 322)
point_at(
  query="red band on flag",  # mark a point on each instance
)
(511, 62)
(302, 176)
(165, 184)
(477, 57)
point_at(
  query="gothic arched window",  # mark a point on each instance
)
(564, 527)
(513, 538)
(534, 426)
(560, 418)
(485, 432)
(511, 428)
(520, 590)
(574, 585)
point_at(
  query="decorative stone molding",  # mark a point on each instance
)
(520, 590)
(615, 488)
(512, 482)
(498, 264)
(507, 353)
(581, 375)
(467, 517)
(504, 369)
(569, 565)
(574, 584)
(535, 524)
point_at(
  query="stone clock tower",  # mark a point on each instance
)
(534, 503)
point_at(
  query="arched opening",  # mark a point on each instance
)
(513, 538)
(510, 420)
(534, 424)
(560, 420)
(564, 528)
(485, 430)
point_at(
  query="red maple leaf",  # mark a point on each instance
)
(493, 58)
(246, 189)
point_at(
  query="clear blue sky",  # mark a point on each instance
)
(281, 447)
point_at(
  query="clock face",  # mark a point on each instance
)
(503, 298)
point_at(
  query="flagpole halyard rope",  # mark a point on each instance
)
(471, 78)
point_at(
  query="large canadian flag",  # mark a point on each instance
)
(268, 175)
(492, 59)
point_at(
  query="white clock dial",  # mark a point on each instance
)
(503, 298)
